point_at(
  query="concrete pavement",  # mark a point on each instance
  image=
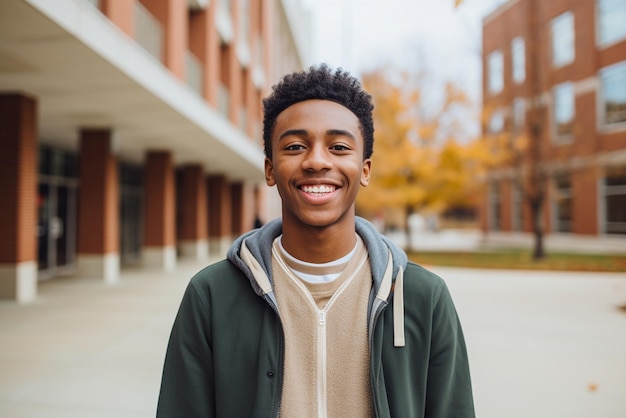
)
(541, 344)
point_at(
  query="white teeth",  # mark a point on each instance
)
(318, 189)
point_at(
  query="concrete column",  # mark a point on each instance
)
(18, 205)
(159, 208)
(220, 215)
(98, 207)
(191, 213)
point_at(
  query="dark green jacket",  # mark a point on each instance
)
(225, 354)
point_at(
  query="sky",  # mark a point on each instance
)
(420, 35)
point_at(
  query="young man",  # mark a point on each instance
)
(316, 314)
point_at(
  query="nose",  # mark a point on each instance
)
(317, 158)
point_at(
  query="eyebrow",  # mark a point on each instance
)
(303, 132)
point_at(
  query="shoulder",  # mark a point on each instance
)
(222, 275)
(421, 282)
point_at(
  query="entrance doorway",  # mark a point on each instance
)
(56, 225)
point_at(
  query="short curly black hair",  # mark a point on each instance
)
(319, 83)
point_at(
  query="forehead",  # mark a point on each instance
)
(317, 114)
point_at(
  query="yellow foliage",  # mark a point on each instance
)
(412, 168)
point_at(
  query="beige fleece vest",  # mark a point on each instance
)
(326, 344)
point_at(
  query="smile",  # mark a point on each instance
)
(318, 190)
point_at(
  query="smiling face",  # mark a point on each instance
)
(317, 165)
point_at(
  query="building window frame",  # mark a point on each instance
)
(563, 112)
(613, 186)
(496, 122)
(517, 207)
(562, 203)
(610, 17)
(57, 228)
(612, 85)
(518, 59)
(563, 39)
(495, 72)
(495, 207)
(518, 115)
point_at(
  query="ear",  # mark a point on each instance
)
(269, 173)
(365, 173)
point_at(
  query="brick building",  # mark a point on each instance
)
(554, 75)
(130, 130)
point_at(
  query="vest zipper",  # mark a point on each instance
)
(321, 365)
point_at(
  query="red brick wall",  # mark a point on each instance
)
(516, 18)
(191, 209)
(585, 210)
(18, 178)
(121, 13)
(173, 16)
(204, 43)
(98, 203)
(159, 200)
(220, 216)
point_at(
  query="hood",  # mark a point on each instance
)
(258, 243)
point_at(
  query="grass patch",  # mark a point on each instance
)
(522, 260)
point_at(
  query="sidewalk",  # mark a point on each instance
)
(540, 344)
(543, 344)
(87, 349)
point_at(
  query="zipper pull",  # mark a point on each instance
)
(322, 317)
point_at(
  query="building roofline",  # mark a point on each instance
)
(498, 11)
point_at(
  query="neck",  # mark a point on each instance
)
(319, 244)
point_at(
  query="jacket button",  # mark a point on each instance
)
(270, 374)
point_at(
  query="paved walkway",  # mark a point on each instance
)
(544, 345)
(541, 344)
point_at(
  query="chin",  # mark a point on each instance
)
(323, 220)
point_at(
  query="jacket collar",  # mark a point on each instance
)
(256, 257)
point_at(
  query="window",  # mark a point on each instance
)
(130, 212)
(495, 65)
(615, 201)
(496, 122)
(562, 29)
(563, 203)
(519, 115)
(563, 96)
(494, 207)
(611, 26)
(613, 81)
(517, 208)
(519, 59)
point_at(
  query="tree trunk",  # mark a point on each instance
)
(536, 204)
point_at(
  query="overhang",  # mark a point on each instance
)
(86, 73)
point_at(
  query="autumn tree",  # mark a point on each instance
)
(419, 164)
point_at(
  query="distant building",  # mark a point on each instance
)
(556, 71)
(130, 130)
